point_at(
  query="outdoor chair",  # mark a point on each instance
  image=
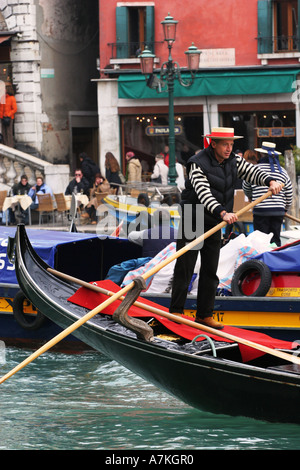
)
(46, 207)
(61, 205)
(3, 195)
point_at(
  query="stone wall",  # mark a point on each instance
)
(53, 55)
(20, 17)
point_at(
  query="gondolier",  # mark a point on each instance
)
(212, 174)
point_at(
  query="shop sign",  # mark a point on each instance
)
(47, 73)
(224, 57)
(154, 131)
(276, 132)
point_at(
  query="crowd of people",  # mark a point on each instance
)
(88, 180)
(17, 214)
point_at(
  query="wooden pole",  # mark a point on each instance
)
(182, 320)
(292, 218)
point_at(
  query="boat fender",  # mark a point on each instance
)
(143, 199)
(246, 269)
(25, 321)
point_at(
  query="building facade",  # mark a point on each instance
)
(49, 51)
(248, 75)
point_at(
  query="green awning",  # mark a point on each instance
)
(215, 83)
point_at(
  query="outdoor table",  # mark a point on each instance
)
(12, 201)
(81, 199)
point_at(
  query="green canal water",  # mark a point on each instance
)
(87, 402)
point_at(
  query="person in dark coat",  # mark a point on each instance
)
(89, 168)
(78, 184)
(154, 239)
(21, 188)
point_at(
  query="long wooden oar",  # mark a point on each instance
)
(125, 289)
(178, 319)
(292, 218)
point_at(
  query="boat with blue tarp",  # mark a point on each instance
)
(273, 310)
(80, 254)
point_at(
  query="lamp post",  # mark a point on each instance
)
(169, 71)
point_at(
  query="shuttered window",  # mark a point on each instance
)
(135, 29)
(277, 26)
(264, 26)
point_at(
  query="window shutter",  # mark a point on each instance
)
(264, 26)
(149, 33)
(122, 32)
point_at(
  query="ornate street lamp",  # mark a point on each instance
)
(169, 71)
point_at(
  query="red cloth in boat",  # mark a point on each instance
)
(90, 299)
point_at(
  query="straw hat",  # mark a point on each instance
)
(268, 147)
(221, 133)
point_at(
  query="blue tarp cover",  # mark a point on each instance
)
(44, 242)
(286, 259)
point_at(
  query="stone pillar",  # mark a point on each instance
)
(57, 177)
(109, 128)
(210, 116)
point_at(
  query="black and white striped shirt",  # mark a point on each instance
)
(245, 171)
(277, 204)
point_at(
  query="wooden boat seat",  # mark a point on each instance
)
(46, 207)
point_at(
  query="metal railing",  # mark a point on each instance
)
(130, 50)
(269, 44)
(14, 163)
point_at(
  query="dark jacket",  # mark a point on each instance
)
(89, 170)
(83, 185)
(157, 238)
(221, 178)
(112, 177)
(19, 188)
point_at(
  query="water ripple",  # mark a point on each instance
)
(87, 402)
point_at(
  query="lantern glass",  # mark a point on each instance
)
(193, 57)
(169, 28)
(147, 64)
(147, 61)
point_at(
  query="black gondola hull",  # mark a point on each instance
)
(204, 382)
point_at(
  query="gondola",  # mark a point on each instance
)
(207, 373)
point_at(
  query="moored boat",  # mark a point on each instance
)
(21, 323)
(136, 202)
(213, 373)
